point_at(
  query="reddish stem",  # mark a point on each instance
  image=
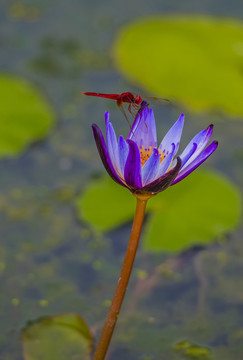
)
(120, 291)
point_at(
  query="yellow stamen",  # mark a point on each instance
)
(161, 156)
(145, 154)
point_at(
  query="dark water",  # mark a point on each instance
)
(50, 262)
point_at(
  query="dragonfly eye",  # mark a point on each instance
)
(138, 99)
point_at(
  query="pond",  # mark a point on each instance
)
(62, 244)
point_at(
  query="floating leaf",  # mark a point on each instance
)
(195, 60)
(193, 351)
(25, 115)
(106, 195)
(61, 337)
(196, 211)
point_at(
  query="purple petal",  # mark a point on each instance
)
(163, 182)
(101, 146)
(112, 144)
(201, 140)
(165, 164)
(150, 168)
(123, 150)
(173, 136)
(132, 171)
(197, 162)
(143, 131)
(187, 153)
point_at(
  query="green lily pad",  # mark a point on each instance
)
(198, 210)
(194, 60)
(61, 337)
(25, 114)
(98, 205)
(193, 351)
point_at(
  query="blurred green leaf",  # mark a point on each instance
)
(201, 208)
(196, 211)
(61, 337)
(105, 205)
(195, 60)
(192, 351)
(25, 115)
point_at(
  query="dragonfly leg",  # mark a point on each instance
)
(143, 105)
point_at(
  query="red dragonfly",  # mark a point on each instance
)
(135, 103)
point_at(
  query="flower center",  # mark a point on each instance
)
(145, 154)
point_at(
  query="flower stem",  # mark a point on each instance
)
(120, 291)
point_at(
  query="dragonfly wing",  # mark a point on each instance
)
(156, 100)
(124, 109)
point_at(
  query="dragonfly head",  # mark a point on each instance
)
(138, 99)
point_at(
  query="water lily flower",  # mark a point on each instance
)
(138, 164)
(146, 169)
